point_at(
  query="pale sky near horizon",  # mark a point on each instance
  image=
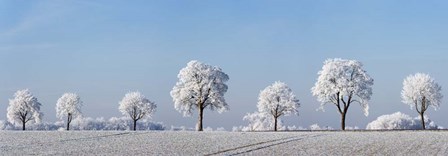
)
(104, 49)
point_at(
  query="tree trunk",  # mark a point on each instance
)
(23, 125)
(423, 120)
(69, 119)
(135, 124)
(343, 121)
(68, 126)
(275, 123)
(201, 115)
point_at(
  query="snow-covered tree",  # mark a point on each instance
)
(277, 100)
(68, 105)
(136, 106)
(421, 91)
(23, 108)
(342, 82)
(200, 86)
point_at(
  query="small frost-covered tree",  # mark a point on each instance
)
(68, 105)
(24, 108)
(421, 91)
(260, 122)
(343, 82)
(200, 86)
(136, 106)
(257, 122)
(277, 100)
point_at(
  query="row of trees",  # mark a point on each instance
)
(24, 107)
(340, 82)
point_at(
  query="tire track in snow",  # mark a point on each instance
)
(262, 145)
(94, 137)
(277, 143)
(245, 146)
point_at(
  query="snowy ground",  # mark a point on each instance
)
(224, 143)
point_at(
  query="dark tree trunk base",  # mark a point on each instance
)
(199, 124)
(343, 121)
(275, 124)
(422, 117)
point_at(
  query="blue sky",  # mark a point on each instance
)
(103, 49)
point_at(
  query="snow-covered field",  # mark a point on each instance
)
(223, 143)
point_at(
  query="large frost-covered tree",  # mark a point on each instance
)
(136, 106)
(68, 105)
(421, 91)
(23, 108)
(342, 82)
(200, 86)
(277, 100)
